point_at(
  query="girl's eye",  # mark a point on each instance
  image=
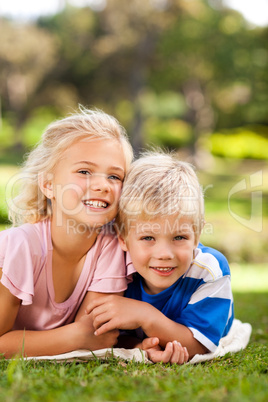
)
(147, 238)
(83, 171)
(114, 177)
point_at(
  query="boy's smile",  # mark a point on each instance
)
(161, 250)
(165, 271)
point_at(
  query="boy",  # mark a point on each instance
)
(182, 289)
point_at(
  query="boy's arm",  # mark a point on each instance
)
(110, 312)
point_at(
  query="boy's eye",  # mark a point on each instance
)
(179, 238)
(147, 238)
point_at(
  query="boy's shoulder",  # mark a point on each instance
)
(209, 263)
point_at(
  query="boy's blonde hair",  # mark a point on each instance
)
(31, 205)
(159, 185)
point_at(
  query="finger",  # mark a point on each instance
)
(148, 343)
(96, 303)
(186, 354)
(166, 354)
(98, 320)
(106, 327)
(98, 310)
(93, 305)
(183, 354)
(177, 351)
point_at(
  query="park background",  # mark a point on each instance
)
(185, 75)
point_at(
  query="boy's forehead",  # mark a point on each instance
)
(164, 225)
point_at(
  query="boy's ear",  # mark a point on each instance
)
(45, 184)
(122, 243)
(197, 241)
(199, 235)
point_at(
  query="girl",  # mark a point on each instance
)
(65, 252)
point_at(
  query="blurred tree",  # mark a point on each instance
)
(219, 65)
(75, 31)
(129, 36)
(108, 55)
(155, 61)
(27, 55)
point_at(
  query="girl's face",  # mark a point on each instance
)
(86, 184)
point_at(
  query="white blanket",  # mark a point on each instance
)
(237, 339)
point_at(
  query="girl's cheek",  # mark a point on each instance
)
(68, 199)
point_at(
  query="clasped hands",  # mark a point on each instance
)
(116, 312)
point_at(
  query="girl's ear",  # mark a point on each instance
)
(122, 243)
(45, 184)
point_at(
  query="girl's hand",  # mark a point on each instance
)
(86, 338)
(174, 352)
(116, 312)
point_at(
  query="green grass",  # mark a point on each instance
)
(238, 377)
(250, 278)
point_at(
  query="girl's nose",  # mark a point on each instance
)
(99, 182)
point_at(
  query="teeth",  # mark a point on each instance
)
(96, 203)
(163, 269)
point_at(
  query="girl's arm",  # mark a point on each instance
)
(110, 312)
(78, 335)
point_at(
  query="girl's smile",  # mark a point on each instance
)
(96, 204)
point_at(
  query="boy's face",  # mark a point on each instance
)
(161, 250)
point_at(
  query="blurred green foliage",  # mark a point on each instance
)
(172, 72)
(169, 133)
(36, 124)
(240, 143)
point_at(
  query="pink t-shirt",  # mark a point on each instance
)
(26, 261)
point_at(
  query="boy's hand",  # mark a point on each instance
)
(116, 312)
(174, 353)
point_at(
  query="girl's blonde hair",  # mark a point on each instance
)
(31, 205)
(159, 185)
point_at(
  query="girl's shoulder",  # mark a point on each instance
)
(107, 237)
(23, 254)
(108, 231)
(34, 236)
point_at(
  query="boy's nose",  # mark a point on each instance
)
(164, 252)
